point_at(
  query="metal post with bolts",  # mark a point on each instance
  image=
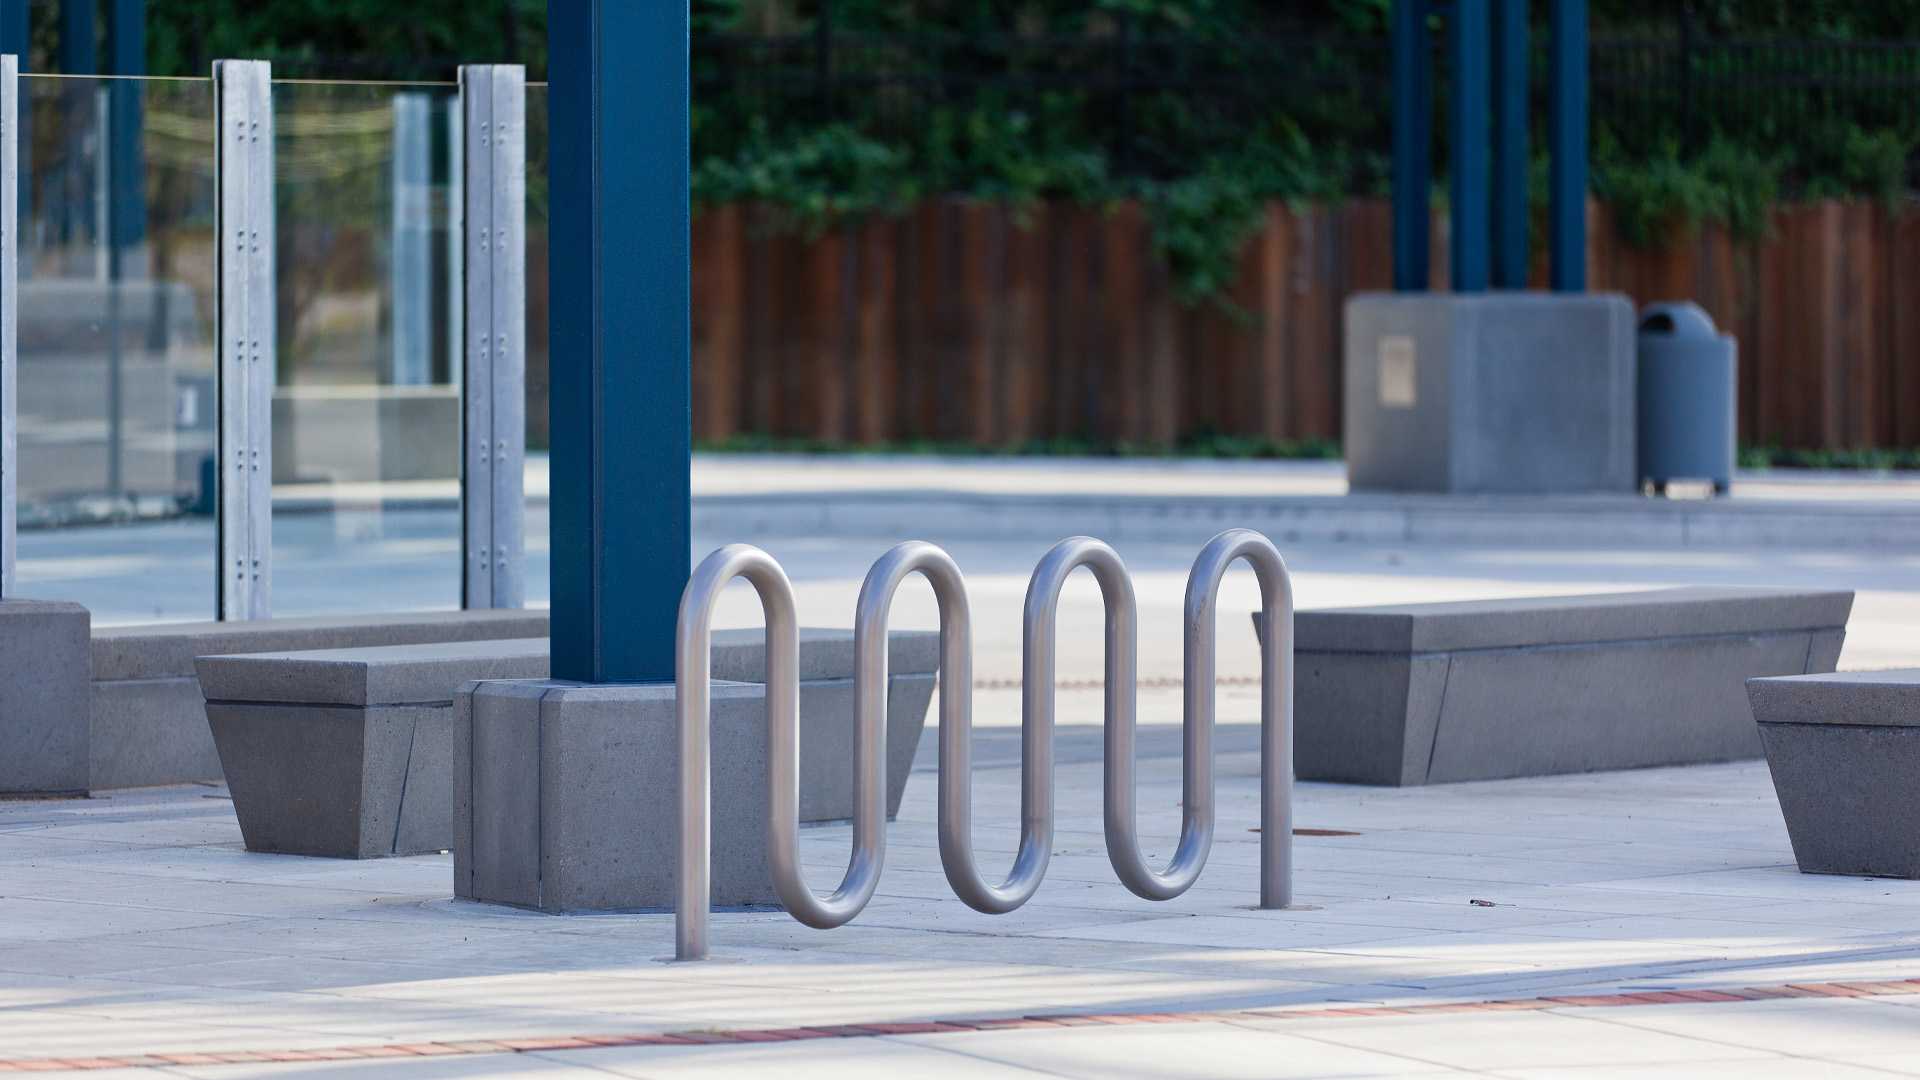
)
(492, 367)
(245, 320)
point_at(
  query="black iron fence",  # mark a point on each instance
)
(1156, 105)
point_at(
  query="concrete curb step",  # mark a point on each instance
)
(1628, 520)
(874, 1030)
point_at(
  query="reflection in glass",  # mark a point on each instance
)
(116, 315)
(366, 417)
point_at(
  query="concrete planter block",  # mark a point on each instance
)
(1483, 690)
(348, 752)
(1490, 392)
(1844, 750)
(149, 723)
(44, 735)
(568, 799)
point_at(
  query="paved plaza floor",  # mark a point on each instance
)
(1634, 924)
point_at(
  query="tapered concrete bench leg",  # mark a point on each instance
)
(1844, 750)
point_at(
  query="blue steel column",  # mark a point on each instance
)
(1412, 145)
(1567, 142)
(1467, 31)
(76, 47)
(15, 37)
(1510, 108)
(620, 336)
(127, 186)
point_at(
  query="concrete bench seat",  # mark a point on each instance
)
(147, 725)
(1488, 689)
(353, 753)
(1844, 750)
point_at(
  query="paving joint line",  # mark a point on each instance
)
(475, 1047)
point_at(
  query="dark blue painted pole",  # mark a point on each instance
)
(15, 35)
(620, 281)
(126, 55)
(1567, 142)
(1467, 194)
(1510, 108)
(1412, 145)
(76, 46)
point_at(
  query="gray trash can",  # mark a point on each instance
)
(1686, 398)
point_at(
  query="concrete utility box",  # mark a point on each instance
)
(1490, 392)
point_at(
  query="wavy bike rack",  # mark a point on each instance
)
(955, 799)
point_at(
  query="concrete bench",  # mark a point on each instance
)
(95, 708)
(352, 753)
(1844, 750)
(147, 725)
(1481, 690)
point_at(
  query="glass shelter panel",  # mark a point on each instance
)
(366, 413)
(116, 340)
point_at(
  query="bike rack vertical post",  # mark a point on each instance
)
(1276, 700)
(492, 366)
(245, 317)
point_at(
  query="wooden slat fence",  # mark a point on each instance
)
(966, 321)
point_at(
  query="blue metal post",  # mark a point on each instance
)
(1468, 32)
(620, 274)
(15, 35)
(1567, 142)
(1510, 108)
(76, 45)
(127, 187)
(1412, 145)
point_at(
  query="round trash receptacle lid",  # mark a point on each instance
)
(1677, 318)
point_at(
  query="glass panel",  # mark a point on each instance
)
(538, 557)
(366, 416)
(116, 346)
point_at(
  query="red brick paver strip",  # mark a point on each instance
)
(451, 1048)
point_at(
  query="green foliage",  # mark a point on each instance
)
(1202, 221)
(1662, 202)
(185, 36)
(1865, 459)
(814, 179)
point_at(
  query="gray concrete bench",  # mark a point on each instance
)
(1430, 693)
(89, 709)
(147, 724)
(353, 752)
(1844, 750)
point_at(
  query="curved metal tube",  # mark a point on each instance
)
(956, 725)
(693, 671)
(1122, 668)
(1276, 710)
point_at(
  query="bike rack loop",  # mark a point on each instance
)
(1121, 706)
(1276, 707)
(693, 710)
(956, 728)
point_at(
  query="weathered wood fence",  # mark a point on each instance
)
(966, 321)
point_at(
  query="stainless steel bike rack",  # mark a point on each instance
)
(693, 705)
